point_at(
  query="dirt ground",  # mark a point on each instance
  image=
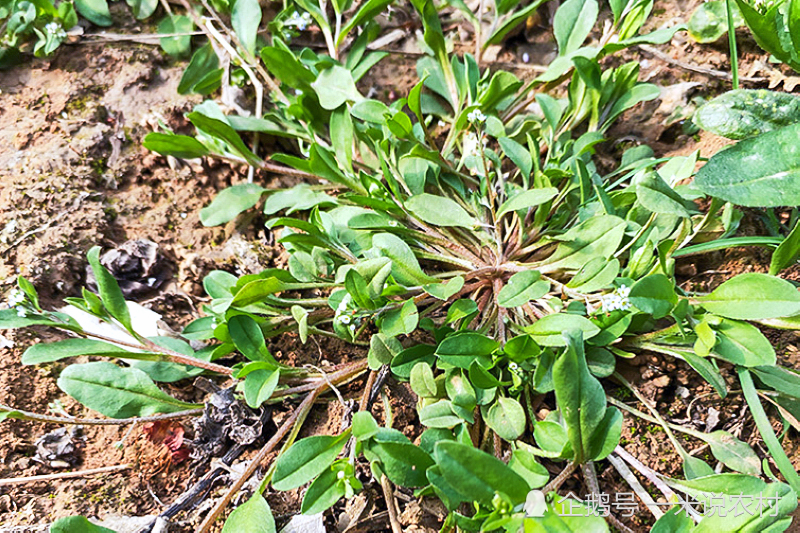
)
(73, 175)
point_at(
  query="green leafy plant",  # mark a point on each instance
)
(776, 27)
(465, 237)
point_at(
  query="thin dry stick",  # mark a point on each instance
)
(561, 478)
(302, 409)
(694, 68)
(63, 475)
(647, 472)
(637, 487)
(36, 417)
(388, 495)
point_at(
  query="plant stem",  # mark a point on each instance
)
(637, 487)
(561, 478)
(765, 428)
(63, 475)
(388, 495)
(36, 417)
(733, 52)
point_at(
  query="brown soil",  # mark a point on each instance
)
(73, 175)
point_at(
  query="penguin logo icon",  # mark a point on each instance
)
(535, 506)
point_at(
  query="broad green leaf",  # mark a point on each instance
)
(733, 453)
(596, 237)
(521, 288)
(548, 331)
(306, 459)
(404, 361)
(439, 211)
(763, 171)
(519, 155)
(595, 275)
(77, 524)
(676, 520)
(745, 113)
(9, 319)
(572, 23)
(478, 475)
(655, 295)
(180, 146)
(117, 392)
(248, 338)
(403, 463)
(405, 267)
(370, 110)
(779, 378)
(422, 380)
(222, 131)
(462, 349)
(253, 516)
(655, 195)
(259, 386)
(445, 290)
(382, 350)
(219, 284)
(335, 86)
(299, 198)
(47, 352)
(95, 11)
(743, 344)
(524, 463)
(165, 371)
(142, 8)
(527, 199)
(245, 19)
(110, 293)
(566, 515)
(580, 397)
(178, 45)
(323, 493)
(506, 417)
(230, 202)
(201, 73)
(439, 415)
(364, 426)
(709, 21)
(753, 296)
(400, 321)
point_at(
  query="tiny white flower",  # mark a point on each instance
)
(184, 215)
(344, 319)
(525, 57)
(340, 474)
(441, 123)
(15, 298)
(513, 366)
(21, 312)
(352, 329)
(476, 116)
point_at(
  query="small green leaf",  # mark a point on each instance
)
(655, 295)
(733, 453)
(230, 202)
(506, 417)
(439, 211)
(180, 146)
(548, 331)
(222, 131)
(405, 267)
(252, 516)
(709, 21)
(439, 415)
(521, 288)
(445, 290)
(572, 23)
(422, 380)
(245, 19)
(786, 254)
(403, 463)
(259, 386)
(248, 338)
(335, 86)
(743, 344)
(478, 475)
(527, 199)
(77, 524)
(110, 293)
(753, 296)
(179, 45)
(141, 8)
(462, 349)
(745, 113)
(382, 350)
(599, 236)
(95, 11)
(306, 459)
(400, 321)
